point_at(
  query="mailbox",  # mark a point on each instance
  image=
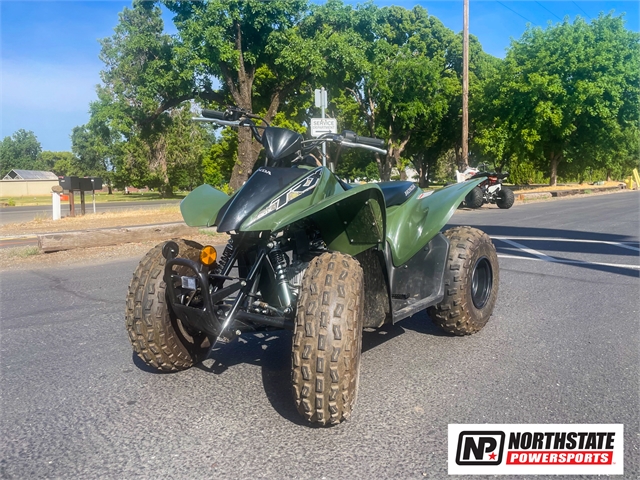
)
(97, 183)
(69, 183)
(86, 184)
(83, 184)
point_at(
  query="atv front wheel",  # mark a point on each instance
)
(505, 198)
(474, 198)
(471, 282)
(157, 336)
(327, 339)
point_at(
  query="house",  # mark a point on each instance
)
(22, 183)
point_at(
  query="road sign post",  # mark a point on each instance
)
(56, 191)
(93, 192)
(321, 103)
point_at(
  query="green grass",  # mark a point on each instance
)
(22, 252)
(208, 231)
(22, 201)
(132, 197)
(88, 198)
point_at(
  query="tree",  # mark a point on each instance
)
(223, 51)
(566, 95)
(219, 161)
(392, 67)
(20, 151)
(401, 71)
(60, 163)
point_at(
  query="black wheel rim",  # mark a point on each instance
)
(481, 282)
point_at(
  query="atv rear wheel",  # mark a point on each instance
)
(474, 198)
(157, 336)
(505, 198)
(327, 339)
(471, 282)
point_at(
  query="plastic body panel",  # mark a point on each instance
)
(200, 208)
(418, 283)
(261, 187)
(413, 224)
(280, 145)
(350, 221)
(326, 186)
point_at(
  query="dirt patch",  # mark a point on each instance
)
(119, 218)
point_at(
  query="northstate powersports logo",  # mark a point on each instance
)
(536, 449)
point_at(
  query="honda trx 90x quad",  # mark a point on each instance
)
(314, 255)
(490, 190)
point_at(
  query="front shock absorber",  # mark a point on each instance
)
(224, 259)
(279, 263)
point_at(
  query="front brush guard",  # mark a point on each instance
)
(206, 318)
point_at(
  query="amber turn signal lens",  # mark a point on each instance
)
(208, 255)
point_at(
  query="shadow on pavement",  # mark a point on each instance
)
(568, 247)
(507, 231)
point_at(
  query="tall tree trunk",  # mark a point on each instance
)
(248, 148)
(460, 161)
(392, 158)
(554, 159)
(384, 167)
(158, 165)
(422, 166)
(246, 159)
(241, 93)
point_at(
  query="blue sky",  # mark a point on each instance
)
(49, 50)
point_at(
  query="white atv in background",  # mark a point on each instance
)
(490, 190)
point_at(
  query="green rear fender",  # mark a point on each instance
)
(414, 223)
(200, 208)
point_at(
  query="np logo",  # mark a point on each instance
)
(480, 448)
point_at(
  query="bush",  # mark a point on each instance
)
(524, 173)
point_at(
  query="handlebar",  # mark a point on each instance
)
(236, 117)
(351, 137)
(214, 114)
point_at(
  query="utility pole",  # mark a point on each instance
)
(465, 87)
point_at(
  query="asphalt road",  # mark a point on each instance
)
(562, 347)
(26, 214)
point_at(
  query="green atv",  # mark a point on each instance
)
(312, 254)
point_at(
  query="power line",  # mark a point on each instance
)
(581, 9)
(549, 11)
(521, 16)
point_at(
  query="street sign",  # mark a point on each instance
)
(320, 98)
(320, 126)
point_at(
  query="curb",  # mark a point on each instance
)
(566, 193)
(54, 242)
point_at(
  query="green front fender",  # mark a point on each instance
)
(200, 208)
(413, 224)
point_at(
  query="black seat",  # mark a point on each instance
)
(396, 193)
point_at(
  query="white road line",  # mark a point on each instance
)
(546, 258)
(528, 250)
(569, 262)
(626, 245)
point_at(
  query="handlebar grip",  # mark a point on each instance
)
(372, 142)
(350, 136)
(213, 114)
